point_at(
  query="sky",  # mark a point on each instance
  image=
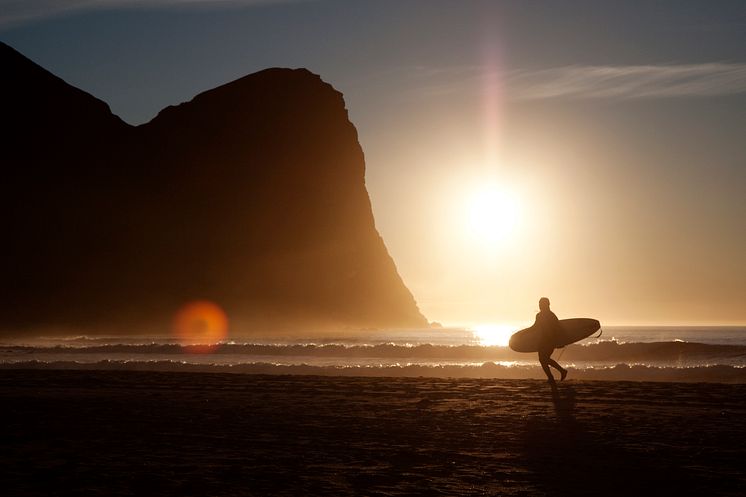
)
(588, 151)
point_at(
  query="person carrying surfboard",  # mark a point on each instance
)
(549, 325)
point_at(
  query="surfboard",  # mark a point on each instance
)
(573, 330)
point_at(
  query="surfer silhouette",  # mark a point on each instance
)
(549, 325)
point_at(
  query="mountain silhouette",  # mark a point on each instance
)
(252, 195)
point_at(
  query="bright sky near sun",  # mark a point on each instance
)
(588, 151)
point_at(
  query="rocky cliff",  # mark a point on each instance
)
(252, 195)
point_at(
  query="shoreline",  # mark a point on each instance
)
(714, 374)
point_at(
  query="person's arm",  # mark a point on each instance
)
(544, 323)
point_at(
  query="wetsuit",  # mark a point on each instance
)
(549, 324)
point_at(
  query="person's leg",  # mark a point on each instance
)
(555, 365)
(544, 358)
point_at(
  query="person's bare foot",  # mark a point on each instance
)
(564, 374)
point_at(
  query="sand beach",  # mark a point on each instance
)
(156, 433)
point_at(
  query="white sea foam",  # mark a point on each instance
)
(653, 353)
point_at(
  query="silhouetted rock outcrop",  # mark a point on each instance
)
(251, 195)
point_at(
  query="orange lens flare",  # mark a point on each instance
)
(201, 325)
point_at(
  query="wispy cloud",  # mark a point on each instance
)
(13, 12)
(629, 82)
(579, 82)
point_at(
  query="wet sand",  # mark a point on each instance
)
(154, 433)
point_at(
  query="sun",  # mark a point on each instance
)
(492, 214)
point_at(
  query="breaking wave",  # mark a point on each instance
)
(618, 372)
(607, 351)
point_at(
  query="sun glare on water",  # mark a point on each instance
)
(493, 334)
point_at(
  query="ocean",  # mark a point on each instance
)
(638, 353)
